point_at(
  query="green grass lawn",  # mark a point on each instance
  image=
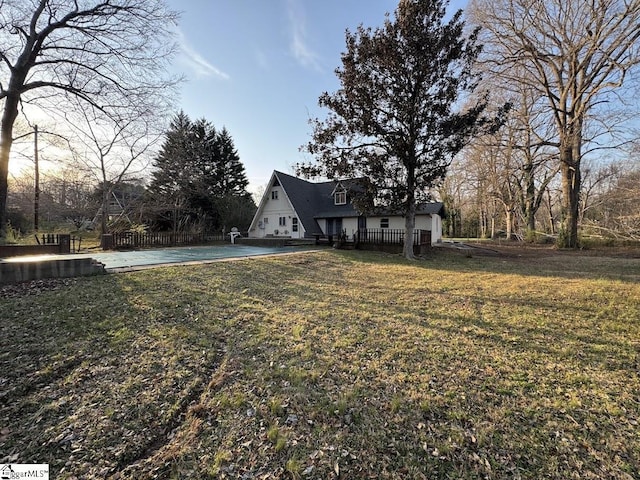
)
(330, 365)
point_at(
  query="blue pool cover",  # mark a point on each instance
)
(141, 258)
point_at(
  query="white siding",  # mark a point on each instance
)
(395, 222)
(272, 211)
(436, 230)
(350, 225)
(423, 222)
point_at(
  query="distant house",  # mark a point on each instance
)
(295, 208)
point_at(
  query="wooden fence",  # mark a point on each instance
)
(47, 243)
(48, 239)
(65, 242)
(150, 239)
(157, 239)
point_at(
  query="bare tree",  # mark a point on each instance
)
(110, 54)
(577, 55)
(610, 205)
(529, 130)
(65, 196)
(112, 149)
(492, 167)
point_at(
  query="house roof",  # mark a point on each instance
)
(430, 208)
(312, 200)
(315, 200)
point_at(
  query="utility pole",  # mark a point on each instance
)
(36, 197)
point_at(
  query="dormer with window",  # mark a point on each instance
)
(339, 195)
(274, 189)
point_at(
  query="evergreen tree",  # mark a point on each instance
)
(169, 172)
(233, 179)
(199, 180)
(235, 204)
(200, 189)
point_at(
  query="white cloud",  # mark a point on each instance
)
(196, 62)
(298, 46)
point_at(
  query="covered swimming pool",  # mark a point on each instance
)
(145, 258)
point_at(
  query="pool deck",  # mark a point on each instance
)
(26, 268)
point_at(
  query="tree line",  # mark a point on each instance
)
(96, 73)
(97, 67)
(507, 112)
(197, 184)
(561, 163)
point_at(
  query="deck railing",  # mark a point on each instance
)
(391, 236)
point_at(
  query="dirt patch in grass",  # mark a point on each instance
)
(330, 365)
(531, 250)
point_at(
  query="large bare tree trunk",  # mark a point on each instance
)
(6, 139)
(5, 149)
(508, 219)
(409, 227)
(529, 196)
(571, 185)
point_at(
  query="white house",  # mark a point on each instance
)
(295, 208)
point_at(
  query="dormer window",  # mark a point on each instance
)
(340, 197)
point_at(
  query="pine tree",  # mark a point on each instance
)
(169, 174)
(199, 179)
(232, 176)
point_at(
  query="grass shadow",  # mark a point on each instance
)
(362, 363)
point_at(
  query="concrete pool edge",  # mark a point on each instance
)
(16, 271)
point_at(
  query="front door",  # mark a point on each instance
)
(295, 228)
(334, 226)
(362, 227)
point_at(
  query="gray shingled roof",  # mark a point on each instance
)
(431, 208)
(310, 199)
(315, 200)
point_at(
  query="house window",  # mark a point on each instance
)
(340, 198)
(274, 194)
(294, 224)
(266, 220)
(384, 223)
(283, 221)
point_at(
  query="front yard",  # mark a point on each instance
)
(329, 365)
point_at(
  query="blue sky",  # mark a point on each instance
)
(258, 67)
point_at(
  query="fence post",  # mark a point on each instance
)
(107, 241)
(64, 243)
